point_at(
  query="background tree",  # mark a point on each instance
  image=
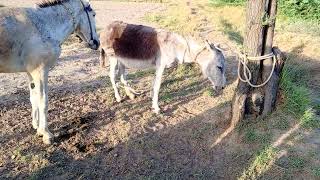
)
(258, 41)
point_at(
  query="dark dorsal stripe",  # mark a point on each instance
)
(133, 41)
(49, 3)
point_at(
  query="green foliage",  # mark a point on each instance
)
(294, 9)
(316, 171)
(302, 9)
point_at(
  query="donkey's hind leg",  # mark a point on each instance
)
(112, 75)
(156, 88)
(123, 79)
(34, 103)
(40, 79)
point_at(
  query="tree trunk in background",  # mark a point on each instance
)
(257, 42)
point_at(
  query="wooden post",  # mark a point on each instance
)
(260, 24)
(271, 86)
(253, 47)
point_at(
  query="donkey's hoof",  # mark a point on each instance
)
(47, 140)
(35, 125)
(156, 110)
(47, 136)
(131, 96)
(118, 100)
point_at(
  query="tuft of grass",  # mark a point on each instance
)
(298, 99)
(227, 2)
(175, 18)
(297, 162)
(282, 124)
(309, 119)
(209, 92)
(252, 136)
(231, 31)
(262, 162)
(316, 171)
(35, 161)
(141, 73)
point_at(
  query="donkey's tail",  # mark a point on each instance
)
(103, 58)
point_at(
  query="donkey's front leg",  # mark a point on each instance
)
(40, 79)
(123, 79)
(113, 67)
(34, 103)
(156, 88)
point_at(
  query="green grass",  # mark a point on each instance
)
(231, 31)
(227, 2)
(281, 123)
(298, 100)
(174, 19)
(297, 162)
(252, 135)
(297, 105)
(261, 163)
(294, 9)
(209, 92)
(316, 171)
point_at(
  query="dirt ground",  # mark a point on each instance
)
(97, 138)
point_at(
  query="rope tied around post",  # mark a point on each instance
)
(243, 60)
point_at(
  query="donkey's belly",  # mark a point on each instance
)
(11, 65)
(137, 63)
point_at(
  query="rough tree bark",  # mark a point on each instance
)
(260, 24)
(271, 86)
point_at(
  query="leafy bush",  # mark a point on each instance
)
(302, 9)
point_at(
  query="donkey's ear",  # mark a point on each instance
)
(86, 1)
(219, 47)
(209, 45)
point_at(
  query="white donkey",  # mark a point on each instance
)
(30, 41)
(137, 46)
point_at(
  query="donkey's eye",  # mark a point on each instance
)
(220, 68)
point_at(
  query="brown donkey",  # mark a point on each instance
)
(136, 46)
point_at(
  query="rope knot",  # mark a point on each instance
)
(243, 60)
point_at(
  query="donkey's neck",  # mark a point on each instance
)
(56, 23)
(193, 49)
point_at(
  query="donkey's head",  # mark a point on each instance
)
(86, 28)
(213, 66)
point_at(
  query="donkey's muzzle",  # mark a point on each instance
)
(95, 44)
(218, 90)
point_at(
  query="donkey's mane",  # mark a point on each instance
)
(49, 3)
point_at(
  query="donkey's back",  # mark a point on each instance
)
(20, 38)
(130, 41)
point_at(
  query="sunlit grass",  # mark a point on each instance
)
(297, 109)
(262, 162)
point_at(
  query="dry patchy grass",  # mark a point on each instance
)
(273, 139)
